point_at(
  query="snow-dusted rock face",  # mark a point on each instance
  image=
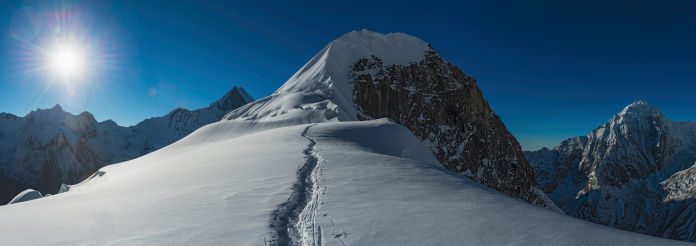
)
(48, 147)
(635, 173)
(366, 75)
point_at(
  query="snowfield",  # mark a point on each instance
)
(298, 168)
(371, 183)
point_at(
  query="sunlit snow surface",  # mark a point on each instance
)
(374, 184)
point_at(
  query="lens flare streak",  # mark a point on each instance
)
(66, 47)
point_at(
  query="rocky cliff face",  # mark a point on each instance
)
(634, 173)
(446, 110)
(48, 147)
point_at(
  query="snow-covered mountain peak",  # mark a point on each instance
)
(233, 97)
(87, 115)
(57, 107)
(391, 48)
(365, 75)
(53, 113)
(328, 70)
(639, 109)
(56, 114)
(634, 172)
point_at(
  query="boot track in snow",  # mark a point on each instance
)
(284, 230)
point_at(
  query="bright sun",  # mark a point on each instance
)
(67, 61)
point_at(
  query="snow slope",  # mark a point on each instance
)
(367, 75)
(48, 147)
(374, 183)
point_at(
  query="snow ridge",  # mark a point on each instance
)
(285, 219)
(367, 75)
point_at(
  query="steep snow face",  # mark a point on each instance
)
(323, 84)
(412, 85)
(373, 183)
(633, 173)
(328, 71)
(48, 147)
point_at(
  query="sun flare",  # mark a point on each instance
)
(67, 61)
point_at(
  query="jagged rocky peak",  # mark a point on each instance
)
(233, 98)
(366, 75)
(57, 107)
(55, 110)
(636, 172)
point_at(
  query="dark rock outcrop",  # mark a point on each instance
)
(444, 108)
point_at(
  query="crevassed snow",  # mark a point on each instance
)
(374, 184)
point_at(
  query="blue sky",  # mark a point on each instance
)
(550, 69)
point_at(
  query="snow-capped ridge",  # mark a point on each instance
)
(365, 75)
(640, 108)
(72, 146)
(392, 48)
(26, 195)
(57, 107)
(635, 172)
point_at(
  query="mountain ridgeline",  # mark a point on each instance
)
(48, 147)
(636, 172)
(365, 75)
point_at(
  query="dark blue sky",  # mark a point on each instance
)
(550, 69)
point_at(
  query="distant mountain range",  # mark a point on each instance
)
(636, 172)
(48, 147)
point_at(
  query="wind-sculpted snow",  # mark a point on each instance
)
(49, 147)
(635, 173)
(26, 195)
(374, 183)
(366, 75)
